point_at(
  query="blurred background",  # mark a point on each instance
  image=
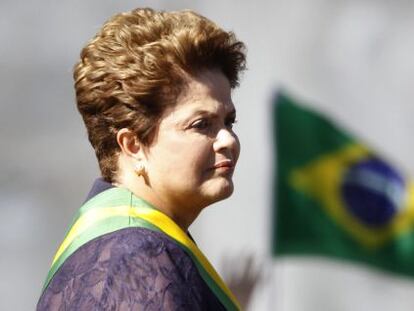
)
(352, 59)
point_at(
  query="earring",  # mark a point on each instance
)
(140, 169)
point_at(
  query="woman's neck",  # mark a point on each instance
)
(181, 214)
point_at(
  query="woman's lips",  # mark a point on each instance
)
(224, 165)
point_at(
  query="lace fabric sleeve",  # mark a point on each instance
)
(132, 269)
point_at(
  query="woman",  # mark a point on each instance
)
(154, 91)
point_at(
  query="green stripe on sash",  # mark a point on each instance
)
(118, 208)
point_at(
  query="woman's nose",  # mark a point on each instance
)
(225, 139)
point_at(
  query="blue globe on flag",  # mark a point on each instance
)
(373, 192)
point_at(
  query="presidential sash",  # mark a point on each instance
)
(118, 208)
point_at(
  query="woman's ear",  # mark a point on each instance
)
(129, 144)
(132, 153)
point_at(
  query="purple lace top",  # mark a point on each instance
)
(129, 269)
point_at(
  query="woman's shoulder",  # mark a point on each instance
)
(135, 266)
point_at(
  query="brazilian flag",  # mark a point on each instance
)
(336, 197)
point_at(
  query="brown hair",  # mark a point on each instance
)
(137, 65)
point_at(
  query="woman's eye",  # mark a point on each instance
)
(200, 124)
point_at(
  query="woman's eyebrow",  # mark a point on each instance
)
(201, 111)
(213, 112)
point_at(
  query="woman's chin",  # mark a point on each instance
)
(220, 190)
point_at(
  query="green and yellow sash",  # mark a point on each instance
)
(117, 208)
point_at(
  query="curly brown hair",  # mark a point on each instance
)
(136, 66)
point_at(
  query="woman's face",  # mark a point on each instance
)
(191, 161)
